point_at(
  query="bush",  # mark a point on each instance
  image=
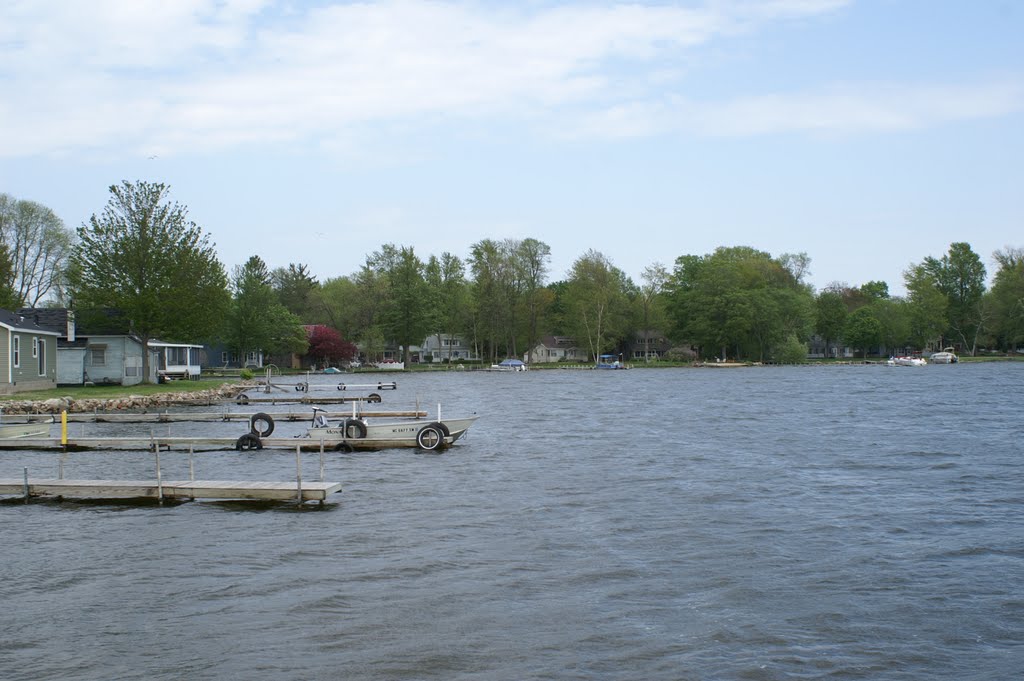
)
(246, 374)
(790, 351)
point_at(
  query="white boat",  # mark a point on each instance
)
(944, 357)
(390, 365)
(509, 365)
(906, 362)
(364, 431)
(10, 431)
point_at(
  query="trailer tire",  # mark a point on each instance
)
(248, 441)
(373, 397)
(242, 399)
(261, 425)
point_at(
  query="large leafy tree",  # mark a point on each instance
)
(297, 290)
(143, 258)
(407, 310)
(740, 301)
(596, 304)
(863, 330)
(960, 276)
(446, 280)
(927, 306)
(1008, 298)
(257, 321)
(830, 317)
(38, 244)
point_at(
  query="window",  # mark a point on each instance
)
(98, 355)
(35, 346)
(16, 351)
(41, 347)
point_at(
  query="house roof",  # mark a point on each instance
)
(52, 318)
(16, 322)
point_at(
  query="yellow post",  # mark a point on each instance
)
(64, 428)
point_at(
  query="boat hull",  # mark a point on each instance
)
(12, 431)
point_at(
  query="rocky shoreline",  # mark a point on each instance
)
(135, 403)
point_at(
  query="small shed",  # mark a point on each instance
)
(28, 354)
(178, 360)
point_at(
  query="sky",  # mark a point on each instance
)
(868, 134)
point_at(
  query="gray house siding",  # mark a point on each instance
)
(33, 366)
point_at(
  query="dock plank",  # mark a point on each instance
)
(172, 489)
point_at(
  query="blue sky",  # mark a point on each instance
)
(867, 133)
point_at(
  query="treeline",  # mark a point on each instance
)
(142, 260)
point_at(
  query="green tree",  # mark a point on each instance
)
(655, 277)
(407, 310)
(296, 289)
(257, 321)
(533, 258)
(927, 307)
(1008, 298)
(595, 301)
(739, 301)
(143, 258)
(446, 279)
(862, 330)
(830, 317)
(38, 244)
(960, 276)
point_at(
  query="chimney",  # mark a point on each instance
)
(71, 326)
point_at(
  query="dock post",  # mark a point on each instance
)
(159, 479)
(26, 484)
(298, 472)
(64, 428)
(60, 464)
(322, 472)
(191, 463)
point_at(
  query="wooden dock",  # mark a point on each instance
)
(182, 417)
(300, 491)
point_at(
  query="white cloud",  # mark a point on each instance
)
(154, 76)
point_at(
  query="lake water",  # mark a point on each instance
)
(851, 522)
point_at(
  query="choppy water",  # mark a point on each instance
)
(856, 522)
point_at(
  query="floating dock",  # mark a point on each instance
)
(172, 489)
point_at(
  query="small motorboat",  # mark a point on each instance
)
(363, 431)
(906, 362)
(944, 357)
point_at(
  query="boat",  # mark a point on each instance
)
(947, 356)
(11, 431)
(609, 362)
(509, 365)
(906, 362)
(363, 431)
(390, 365)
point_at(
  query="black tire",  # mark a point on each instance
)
(261, 425)
(354, 429)
(247, 442)
(242, 399)
(343, 447)
(431, 437)
(373, 397)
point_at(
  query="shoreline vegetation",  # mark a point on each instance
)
(148, 396)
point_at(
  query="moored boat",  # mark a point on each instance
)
(944, 357)
(10, 431)
(364, 431)
(906, 362)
